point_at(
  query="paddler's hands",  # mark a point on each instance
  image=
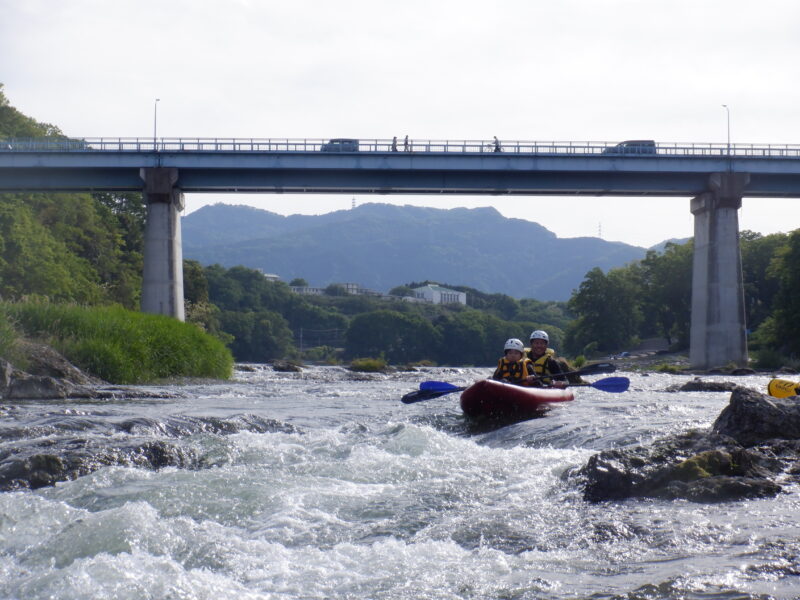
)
(534, 381)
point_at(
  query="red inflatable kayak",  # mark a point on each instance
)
(490, 398)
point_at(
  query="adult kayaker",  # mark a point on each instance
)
(513, 367)
(546, 370)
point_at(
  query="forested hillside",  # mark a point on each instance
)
(68, 247)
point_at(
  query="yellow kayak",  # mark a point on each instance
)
(783, 388)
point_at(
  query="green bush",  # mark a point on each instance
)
(368, 365)
(668, 368)
(769, 358)
(123, 346)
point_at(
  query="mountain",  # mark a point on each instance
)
(380, 246)
(663, 245)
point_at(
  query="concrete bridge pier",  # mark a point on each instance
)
(162, 282)
(718, 318)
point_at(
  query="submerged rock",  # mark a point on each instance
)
(35, 466)
(698, 385)
(754, 440)
(55, 457)
(286, 366)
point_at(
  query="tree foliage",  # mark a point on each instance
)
(607, 309)
(782, 329)
(398, 337)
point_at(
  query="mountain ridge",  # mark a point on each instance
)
(380, 246)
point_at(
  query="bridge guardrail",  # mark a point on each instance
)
(249, 145)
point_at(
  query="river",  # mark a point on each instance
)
(323, 484)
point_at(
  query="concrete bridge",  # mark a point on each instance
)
(715, 176)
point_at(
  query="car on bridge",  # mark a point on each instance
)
(632, 147)
(340, 145)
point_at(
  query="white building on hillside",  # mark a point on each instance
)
(440, 295)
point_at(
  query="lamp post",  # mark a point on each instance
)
(155, 122)
(728, 112)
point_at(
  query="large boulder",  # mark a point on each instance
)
(755, 440)
(751, 418)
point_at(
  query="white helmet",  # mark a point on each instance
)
(540, 335)
(514, 344)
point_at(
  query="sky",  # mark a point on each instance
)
(534, 70)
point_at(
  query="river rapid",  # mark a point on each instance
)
(322, 484)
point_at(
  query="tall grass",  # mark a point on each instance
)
(123, 346)
(8, 342)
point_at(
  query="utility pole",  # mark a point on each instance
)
(155, 122)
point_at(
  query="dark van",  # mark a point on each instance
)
(340, 145)
(632, 147)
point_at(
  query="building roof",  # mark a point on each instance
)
(437, 288)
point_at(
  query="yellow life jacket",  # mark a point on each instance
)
(513, 372)
(539, 365)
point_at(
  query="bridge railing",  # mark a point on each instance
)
(489, 147)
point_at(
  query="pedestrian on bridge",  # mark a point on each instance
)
(394, 144)
(497, 147)
(406, 145)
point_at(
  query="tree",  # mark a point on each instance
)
(464, 338)
(399, 338)
(786, 315)
(33, 262)
(336, 289)
(258, 336)
(14, 124)
(298, 282)
(607, 311)
(760, 283)
(402, 291)
(666, 292)
(195, 284)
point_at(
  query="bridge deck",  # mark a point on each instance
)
(428, 167)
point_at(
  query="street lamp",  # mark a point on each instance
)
(728, 112)
(155, 121)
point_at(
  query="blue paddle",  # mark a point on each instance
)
(434, 389)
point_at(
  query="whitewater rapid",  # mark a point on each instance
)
(323, 485)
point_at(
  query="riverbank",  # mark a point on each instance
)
(113, 344)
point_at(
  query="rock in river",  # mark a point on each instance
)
(754, 441)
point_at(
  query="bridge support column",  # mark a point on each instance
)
(718, 318)
(162, 282)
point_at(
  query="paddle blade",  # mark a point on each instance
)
(783, 388)
(615, 385)
(436, 385)
(420, 395)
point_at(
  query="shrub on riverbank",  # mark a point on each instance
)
(368, 365)
(122, 346)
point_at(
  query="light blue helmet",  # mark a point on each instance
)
(540, 335)
(514, 344)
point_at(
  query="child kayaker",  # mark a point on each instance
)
(513, 367)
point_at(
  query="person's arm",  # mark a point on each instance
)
(554, 368)
(557, 380)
